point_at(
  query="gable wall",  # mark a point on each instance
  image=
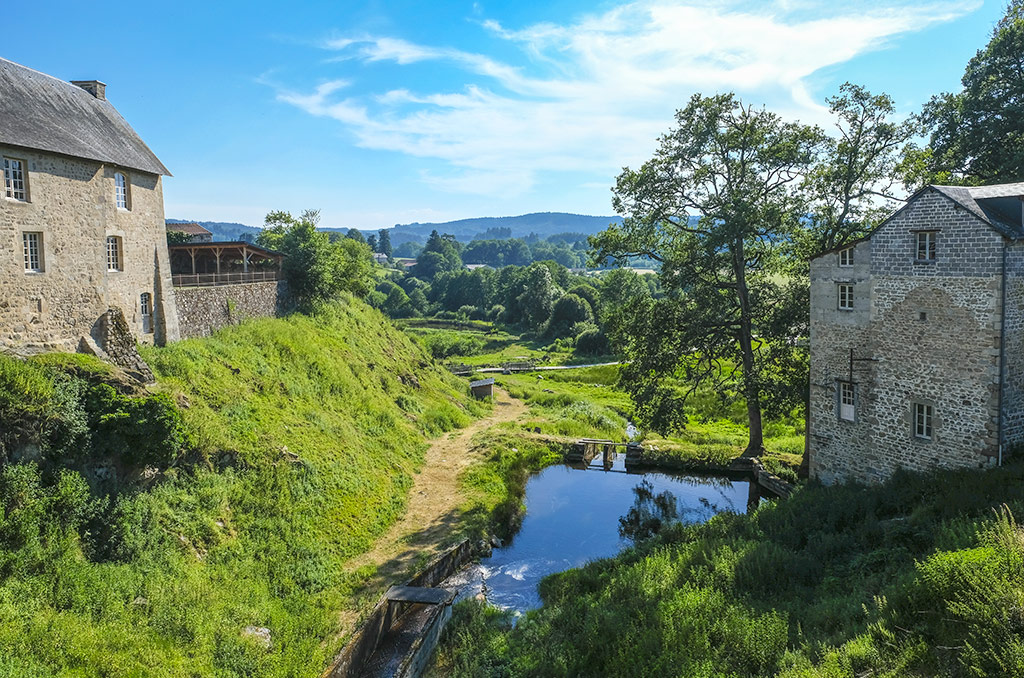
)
(949, 359)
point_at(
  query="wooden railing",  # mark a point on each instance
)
(208, 279)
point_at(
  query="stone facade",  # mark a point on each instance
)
(71, 203)
(921, 333)
(201, 310)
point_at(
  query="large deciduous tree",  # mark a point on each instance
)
(977, 134)
(715, 205)
(853, 185)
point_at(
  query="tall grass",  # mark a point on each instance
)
(923, 576)
(305, 434)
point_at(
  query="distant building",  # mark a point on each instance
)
(380, 258)
(482, 388)
(917, 339)
(194, 231)
(81, 217)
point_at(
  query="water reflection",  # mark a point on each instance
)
(574, 516)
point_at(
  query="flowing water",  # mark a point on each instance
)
(572, 516)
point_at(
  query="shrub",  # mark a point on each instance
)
(592, 342)
(146, 430)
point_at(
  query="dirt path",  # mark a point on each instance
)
(432, 513)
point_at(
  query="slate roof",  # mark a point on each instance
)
(968, 197)
(190, 228)
(482, 382)
(40, 112)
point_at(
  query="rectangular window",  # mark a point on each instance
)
(15, 185)
(845, 297)
(847, 401)
(33, 245)
(846, 257)
(121, 191)
(926, 245)
(923, 417)
(113, 253)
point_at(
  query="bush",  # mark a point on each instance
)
(146, 430)
(443, 344)
(592, 342)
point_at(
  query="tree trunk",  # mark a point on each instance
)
(755, 442)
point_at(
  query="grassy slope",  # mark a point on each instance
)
(923, 576)
(308, 432)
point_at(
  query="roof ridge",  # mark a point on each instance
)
(52, 77)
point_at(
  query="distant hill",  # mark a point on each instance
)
(543, 224)
(222, 230)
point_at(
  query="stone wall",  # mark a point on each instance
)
(1013, 385)
(202, 310)
(930, 334)
(71, 202)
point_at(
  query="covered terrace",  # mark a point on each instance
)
(222, 263)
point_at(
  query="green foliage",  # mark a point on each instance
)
(441, 253)
(317, 269)
(592, 342)
(177, 237)
(46, 405)
(731, 168)
(922, 576)
(145, 430)
(567, 312)
(446, 343)
(307, 431)
(975, 133)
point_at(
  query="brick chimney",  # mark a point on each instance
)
(93, 87)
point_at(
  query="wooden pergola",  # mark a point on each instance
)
(221, 263)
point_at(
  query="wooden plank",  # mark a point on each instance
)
(419, 594)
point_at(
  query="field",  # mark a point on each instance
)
(589, 402)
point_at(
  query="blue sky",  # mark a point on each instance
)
(391, 112)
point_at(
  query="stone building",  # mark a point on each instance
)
(917, 339)
(81, 217)
(191, 230)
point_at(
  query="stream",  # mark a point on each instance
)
(572, 517)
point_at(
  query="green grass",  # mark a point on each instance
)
(922, 576)
(305, 434)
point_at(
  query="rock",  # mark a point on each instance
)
(261, 634)
(496, 542)
(140, 601)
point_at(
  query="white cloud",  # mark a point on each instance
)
(592, 96)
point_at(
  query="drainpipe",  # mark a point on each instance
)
(1002, 348)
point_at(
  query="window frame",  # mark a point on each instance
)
(122, 192)
(115, 246)
(926, 242)
(922, 424)
(840, 297)
(32, 250)
(847, 387)
(848, 252)
(10, 192)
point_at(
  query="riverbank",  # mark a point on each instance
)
(915, 577)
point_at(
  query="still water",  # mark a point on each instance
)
(572, 516)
